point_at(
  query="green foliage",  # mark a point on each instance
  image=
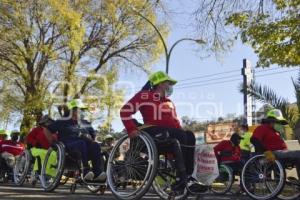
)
(51, 49)
(193, 125)
(266, 95)
(275, 38)
(109, 98)
(270, 27)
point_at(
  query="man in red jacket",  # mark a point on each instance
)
(267, 139)
(160, 118)
(229, 152)
(36, 137)
(9, 149)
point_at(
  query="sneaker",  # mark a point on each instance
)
(89, 176)
(293, 180)
(101, 177)
(195, 187)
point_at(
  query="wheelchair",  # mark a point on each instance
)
(261, 179)
(137, 164)
(58, 163)
(22, 168)
(291, 188)
(223, 183)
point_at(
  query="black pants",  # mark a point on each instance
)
(245, 156)
(89, 151)
(183, 150)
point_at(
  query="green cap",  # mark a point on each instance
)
(76, 103)
(159, 77)
(277, 115)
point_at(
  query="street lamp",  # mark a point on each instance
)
(168, 55)
(168, 52)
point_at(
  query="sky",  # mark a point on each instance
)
(206, 100)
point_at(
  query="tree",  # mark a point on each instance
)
(110, 101)
(114, 35)
(32, 34)
(45, 45)
(275, 38)
(193, 125)
(268, 96)
(270, 27)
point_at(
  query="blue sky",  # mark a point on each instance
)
(207, 101)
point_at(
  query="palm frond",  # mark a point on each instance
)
(266, 95)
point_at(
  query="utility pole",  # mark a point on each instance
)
(248, 75)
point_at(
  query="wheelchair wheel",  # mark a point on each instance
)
(22, 167)
(224, 181)
(165, 177)
(132, 167)
(291, 190)
(261, 179)
(53, 167)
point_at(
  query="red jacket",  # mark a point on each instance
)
(37, 138)
(269, 138)
(15, 148)
(156, 110)
(227, 146)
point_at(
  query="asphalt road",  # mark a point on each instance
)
(12, 192)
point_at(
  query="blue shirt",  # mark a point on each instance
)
(70, 129)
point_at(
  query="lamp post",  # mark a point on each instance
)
(168, 52)
(168, 55)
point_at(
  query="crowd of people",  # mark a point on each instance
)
(266, 139)
(161, 123)
(72, 129)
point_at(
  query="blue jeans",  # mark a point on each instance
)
(89, 151)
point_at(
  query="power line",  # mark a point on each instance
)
(224, 77)
(190, 84)
(231, 80)
(221, 73)
(209, 75)
(276, 73)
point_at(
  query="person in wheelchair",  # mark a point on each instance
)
(38, 143)
(3, 166)
(161, 123)
(245, 143)
(229, 152)
(11, 149)
(78, 135)
(107, 146)
(36, 137)
(267, 140)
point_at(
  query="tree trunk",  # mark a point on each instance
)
(32, 111)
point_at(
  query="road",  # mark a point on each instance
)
(12, 192)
